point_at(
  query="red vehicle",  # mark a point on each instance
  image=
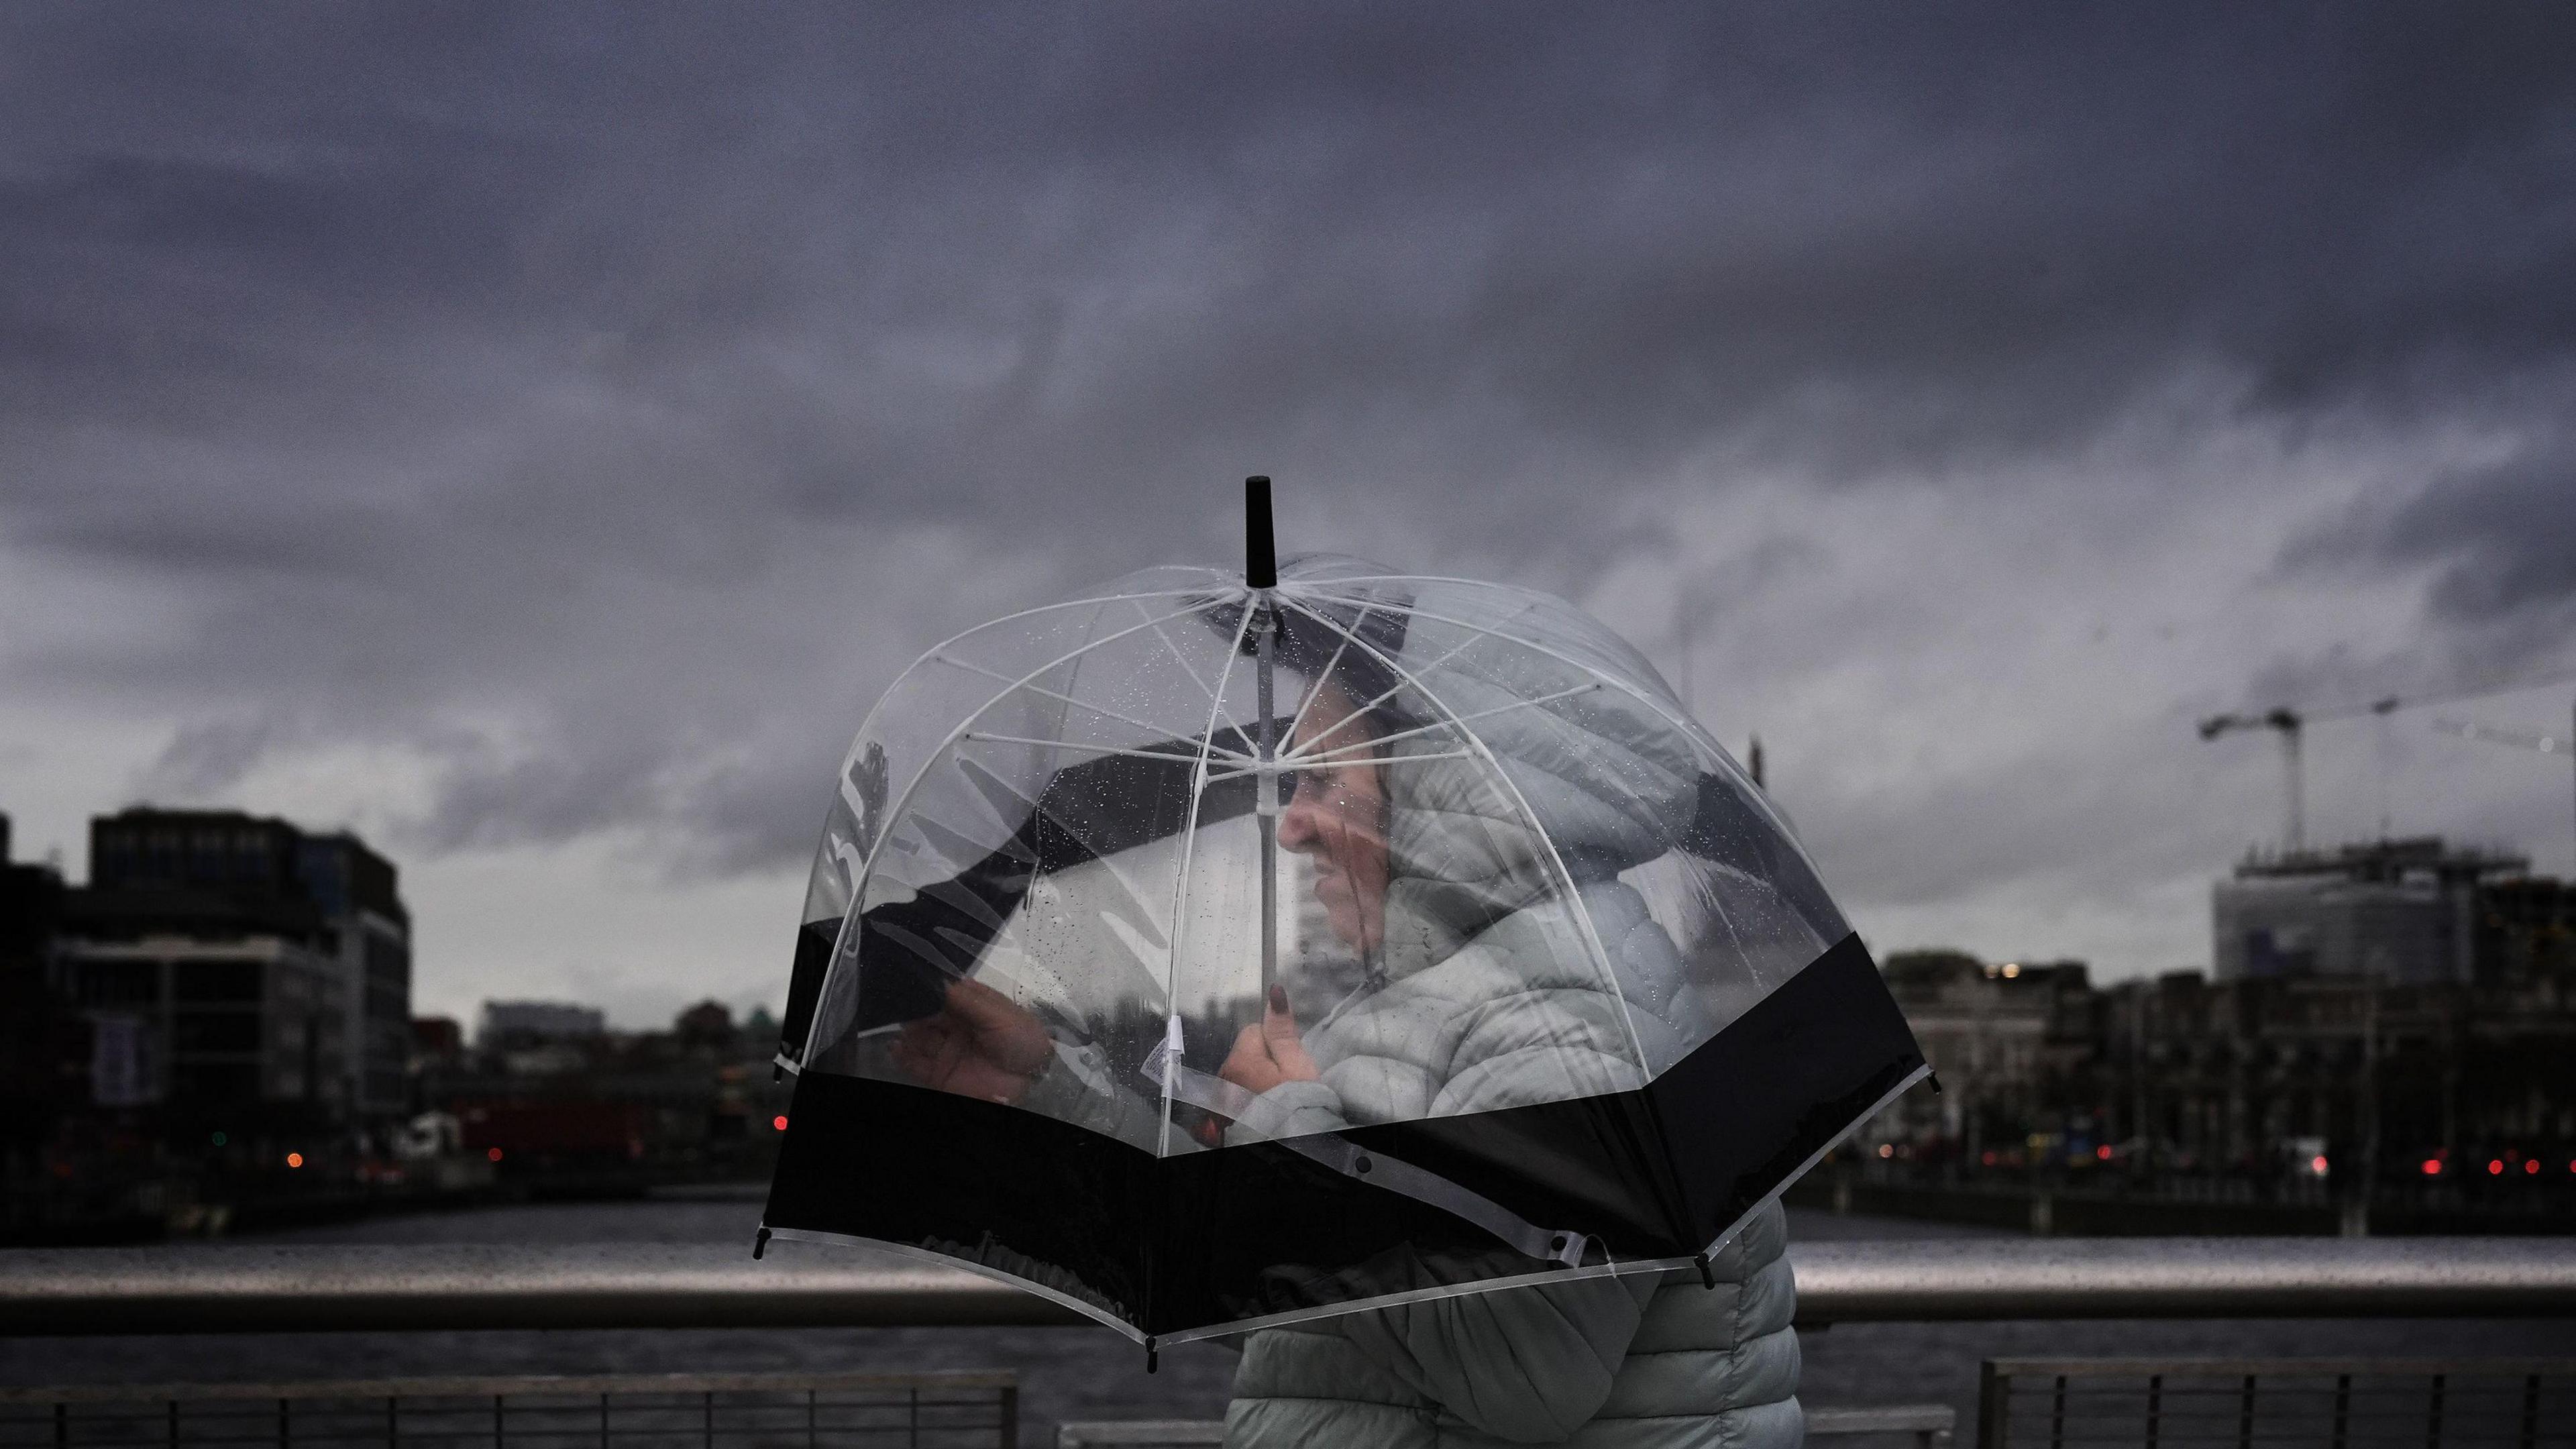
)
(518, 1134)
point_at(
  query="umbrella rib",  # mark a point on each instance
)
(1602, 677)
(1393, 690)
(1040, 689)
(1220, 779)
(894, 813)
(860, 866)
(1682, 722)
(982, 738)
(1324, 586)
(1582, 913)
(1323, 755)
(1316, 688)
(1327, 758)
(1215, 699)
(1181, 877)
(943, 644)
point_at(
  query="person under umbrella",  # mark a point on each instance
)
(1440, 1112)
(1446, 889)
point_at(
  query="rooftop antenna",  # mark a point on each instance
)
(2384, 746)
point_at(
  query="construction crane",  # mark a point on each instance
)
(2291, 724)
(2516, 739)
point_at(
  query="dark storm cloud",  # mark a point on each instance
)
(458, 360)
(1623, 238)
(2497, 545)
(2505, 537)
(212, 756)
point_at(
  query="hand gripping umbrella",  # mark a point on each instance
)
(1220, 950)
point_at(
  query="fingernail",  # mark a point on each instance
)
(1279, 999)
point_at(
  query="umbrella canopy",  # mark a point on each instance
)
(1222, 949)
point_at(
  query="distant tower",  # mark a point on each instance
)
(1753, 759)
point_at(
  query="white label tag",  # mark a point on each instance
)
(1162, 1060)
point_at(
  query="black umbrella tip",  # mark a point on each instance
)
(1260, 550)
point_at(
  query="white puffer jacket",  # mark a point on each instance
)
(1636, 1363)
(1489, 994)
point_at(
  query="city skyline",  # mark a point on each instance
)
(533, 440)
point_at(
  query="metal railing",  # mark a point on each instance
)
(1930, 1425)
(232, 1288)
(617, 1411)
(1139, 1433)
(2257, 1403)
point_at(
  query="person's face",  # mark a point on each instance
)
(1337, 818)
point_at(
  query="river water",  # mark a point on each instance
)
(1091, 1373)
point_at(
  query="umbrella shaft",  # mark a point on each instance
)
(1269, 904)
(1268, 813)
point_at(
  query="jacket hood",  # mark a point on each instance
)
(1564, 767)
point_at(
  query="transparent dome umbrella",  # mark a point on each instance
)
(1224, 949)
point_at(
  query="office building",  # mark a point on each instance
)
(40, 1054)
(1997, 1033)
(2403, 912)
(238, 962)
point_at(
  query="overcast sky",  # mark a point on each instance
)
(533, 435)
